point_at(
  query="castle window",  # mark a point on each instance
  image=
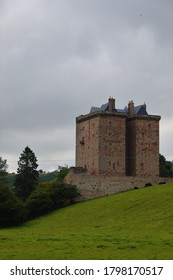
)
(109, 163)
(82, 141)
(114, 166)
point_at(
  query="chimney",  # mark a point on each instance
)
(111, 102)
(131, 107)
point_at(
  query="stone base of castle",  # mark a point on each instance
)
(92, 186)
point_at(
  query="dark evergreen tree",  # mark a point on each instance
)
(27, 174)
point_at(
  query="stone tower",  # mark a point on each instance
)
(118, 142)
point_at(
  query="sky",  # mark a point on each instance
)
(60, 57)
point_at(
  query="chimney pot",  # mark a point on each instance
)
(131, 107)
(111, 103)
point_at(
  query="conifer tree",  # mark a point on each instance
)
(27, 174)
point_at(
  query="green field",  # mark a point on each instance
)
(134, 225)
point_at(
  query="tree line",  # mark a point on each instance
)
(28, 199)
(166, 167)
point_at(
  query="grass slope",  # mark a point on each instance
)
(133, 225)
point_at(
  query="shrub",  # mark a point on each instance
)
(12, 210)
(51, 197)
(61, 173)
(39, 203)
(63, 194)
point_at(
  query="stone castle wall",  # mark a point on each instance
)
(112, 145)
(118, 144)
(92, 186)
(142, 146)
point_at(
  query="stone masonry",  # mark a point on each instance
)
(92, 186)
(118, 142)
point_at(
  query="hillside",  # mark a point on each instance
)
(45, 177)
(134, 225)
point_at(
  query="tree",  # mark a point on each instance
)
(63, 194)
(3, 168)
(39, 203)
(27, 174)
(166, 167)
(12, 210)
(50, 197)
(62, 172)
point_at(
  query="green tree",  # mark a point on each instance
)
(12, 210)
(39, 203)
(49, 197)
(3, 168)
(166, 167)
(63, 194)
(61, 173)
(27, 174)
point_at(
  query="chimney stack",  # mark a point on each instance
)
(111, 103)
(131, 107)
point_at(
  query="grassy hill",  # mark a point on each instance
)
(134, 225)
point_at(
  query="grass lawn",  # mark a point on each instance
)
(133, 225)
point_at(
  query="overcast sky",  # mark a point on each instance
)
(60, 57)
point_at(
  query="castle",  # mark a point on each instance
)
(118, 142)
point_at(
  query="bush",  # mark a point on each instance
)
(61, 173)
(51, 197)
(39, 203)
(12, 210)
(63, 194)
(166, 167)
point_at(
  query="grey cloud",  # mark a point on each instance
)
(60, 57)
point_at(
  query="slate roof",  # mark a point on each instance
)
(138, 110)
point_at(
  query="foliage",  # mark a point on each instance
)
(12, 211)
(3, 168)
(61, 173)
(27, 174)
(10, 178)
(62, 194)
(39, 203)
(49, 197)
(166, 167)
(132, 225)
(45, 177)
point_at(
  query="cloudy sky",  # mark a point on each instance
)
(60, 57)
